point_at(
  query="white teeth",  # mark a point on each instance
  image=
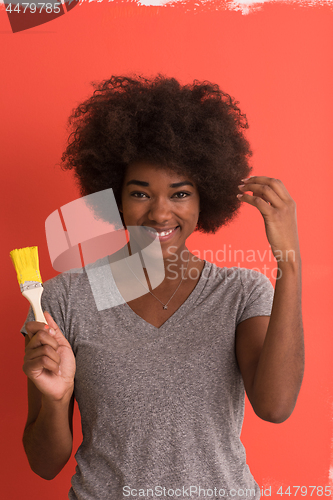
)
(163, 233)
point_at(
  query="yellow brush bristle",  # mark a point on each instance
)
(26, 264)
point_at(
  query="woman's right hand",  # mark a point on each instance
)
(49, 360)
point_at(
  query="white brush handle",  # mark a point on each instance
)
(34, 297)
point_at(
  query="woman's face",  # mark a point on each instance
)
(162, 200)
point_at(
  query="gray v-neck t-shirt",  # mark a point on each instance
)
(161, 408)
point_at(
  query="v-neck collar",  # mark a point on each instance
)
(127, 312)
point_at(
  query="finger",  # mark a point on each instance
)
(265, 192)
(45, 350)
(257, 202)
(275, 184)
(51, 323)
(42, 338)
(40, 364)
(55, 330)
(33, 327)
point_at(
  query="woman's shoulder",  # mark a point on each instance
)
(65, 282)
(242, 276)
(77, 282)
(241, 288)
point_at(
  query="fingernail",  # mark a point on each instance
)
(247, 178)
(240, 195)
(241, 185)
(51, 331)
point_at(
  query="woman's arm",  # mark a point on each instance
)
(270, 351)
(48, 438)
(50, 366)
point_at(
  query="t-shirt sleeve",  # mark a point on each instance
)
(258, 294)
(54, 301)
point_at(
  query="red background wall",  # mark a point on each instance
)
(278, 63)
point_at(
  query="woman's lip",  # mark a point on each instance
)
(161, 238)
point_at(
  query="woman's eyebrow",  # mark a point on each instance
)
(175, 185)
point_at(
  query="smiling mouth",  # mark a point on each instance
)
(160, 234)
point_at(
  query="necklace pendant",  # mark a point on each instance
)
(165, 307)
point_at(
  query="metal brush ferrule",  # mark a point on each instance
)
(29, 285)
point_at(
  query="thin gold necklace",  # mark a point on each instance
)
(165, 306)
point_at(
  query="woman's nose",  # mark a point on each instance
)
(159, 210)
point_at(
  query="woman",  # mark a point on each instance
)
(160, 378)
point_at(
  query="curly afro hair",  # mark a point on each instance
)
(194, 130)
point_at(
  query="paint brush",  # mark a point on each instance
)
(26, 264)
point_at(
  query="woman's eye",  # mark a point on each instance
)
(180, 194)
(137, 193)
(184, 193)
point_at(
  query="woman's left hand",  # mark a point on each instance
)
(279, 214)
